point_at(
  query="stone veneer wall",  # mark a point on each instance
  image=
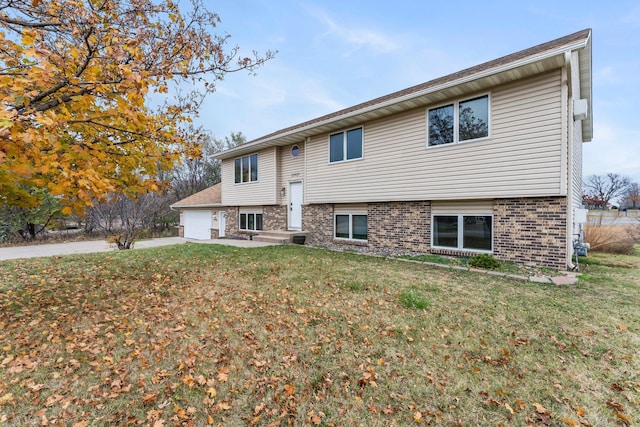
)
(400, 225)
(274, 217)
(317, 220)
(181, 231)
(215, 233)
(231, 221)
(531, 231)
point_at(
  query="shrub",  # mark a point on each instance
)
(484, 261)
(612, 239)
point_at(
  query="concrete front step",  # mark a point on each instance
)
(278, 236)
(270, 239)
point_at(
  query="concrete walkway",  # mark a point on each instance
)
(93, 246)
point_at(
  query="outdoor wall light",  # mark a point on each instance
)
(283, 192)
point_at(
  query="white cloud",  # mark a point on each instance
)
(355, 38)
(276, 98)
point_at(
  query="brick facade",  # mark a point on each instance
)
(400, 225)
(274, 217)
(317, 220)
(531, 231)
(525, 230)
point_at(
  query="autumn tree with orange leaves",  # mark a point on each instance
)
(77, 78)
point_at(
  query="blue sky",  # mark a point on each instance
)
(335, 54)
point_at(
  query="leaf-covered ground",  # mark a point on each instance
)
(204, 334)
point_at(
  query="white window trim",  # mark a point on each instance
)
(344, 145)
(250, 212)
(350, 214)
(461, 232)
(234, 170)
(456, 120)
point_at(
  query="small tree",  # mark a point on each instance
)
(76, 78)
(195, 174)
(29, 223)
(632, 196)
(601, 189)
(123, 218)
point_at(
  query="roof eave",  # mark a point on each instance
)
(304, 130)
(204, 205)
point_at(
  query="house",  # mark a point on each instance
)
(485, 160)
(202, 216)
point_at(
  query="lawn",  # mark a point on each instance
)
(205, 334)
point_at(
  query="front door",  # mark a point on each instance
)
(295, 206)
(222, 223)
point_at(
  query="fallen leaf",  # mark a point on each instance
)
(540, 409)
(615, 405)
(6, 398)
(149, 399)
(289, 389)
(211, 392)
(625, 419)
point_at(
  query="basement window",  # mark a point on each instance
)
(350, 226)
(462, 232)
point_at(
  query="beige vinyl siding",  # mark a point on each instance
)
(291, 169)
(521, 158)
(250, 209)
(478, 207)
(261, 192)
(351, 208)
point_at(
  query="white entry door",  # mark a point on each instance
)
(222, 223)
(295, 206)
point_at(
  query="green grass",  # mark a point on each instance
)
(414, 298)
(199, 334)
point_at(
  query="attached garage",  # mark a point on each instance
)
(197, 223)
(202, 215)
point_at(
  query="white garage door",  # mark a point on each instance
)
(197, 224)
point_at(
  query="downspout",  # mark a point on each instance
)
(567, 153)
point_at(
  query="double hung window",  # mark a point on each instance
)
(345, 145)
(463, 232)
(246, 169)
(459, 121)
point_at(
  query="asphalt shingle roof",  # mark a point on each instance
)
(211, 196)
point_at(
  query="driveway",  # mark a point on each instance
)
(92, 246)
